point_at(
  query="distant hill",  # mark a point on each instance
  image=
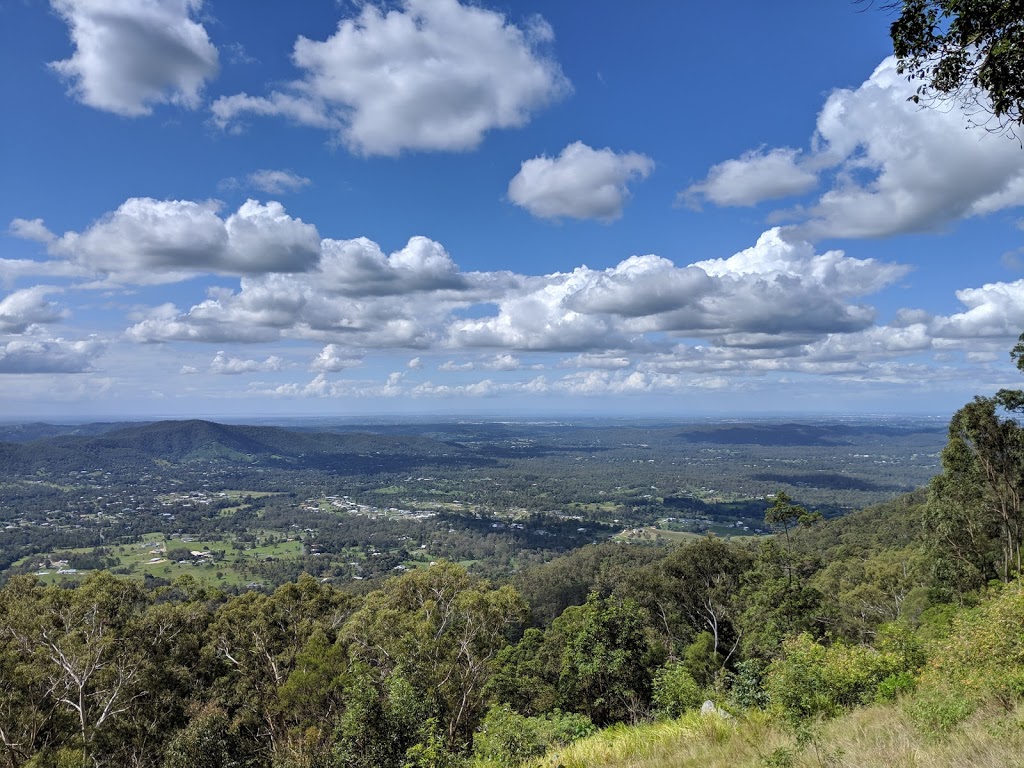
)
(801, 434)
(181, 442)
(24, 433)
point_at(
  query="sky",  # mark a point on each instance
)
(335, 209)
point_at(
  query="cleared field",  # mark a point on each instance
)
(219, 562)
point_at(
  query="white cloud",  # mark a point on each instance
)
(131, 55)
(756, 176)
(451, 365)
(776, 292)
(277, 182)
(581, 183)
(222, 364)
(892, 167)
(149, 241)
(596, 383)
(430, 75)
(33, 229)
(314, 306)
(503, 363)
(993, 310)
(333, 358)
(639, 286)
(414, 364)
(777, 306)
(359, 268)
(540, 317)
(605, 362)
(32, 355)
(28, 306)
(925, 168)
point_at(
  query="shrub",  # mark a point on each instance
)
(810, 680)
(675, 690)
(747, 685)
(506, 738)
(981, 659)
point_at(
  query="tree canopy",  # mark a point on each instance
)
(969, 50)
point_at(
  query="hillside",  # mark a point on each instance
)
(181, 442)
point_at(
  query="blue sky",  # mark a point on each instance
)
(343, 209)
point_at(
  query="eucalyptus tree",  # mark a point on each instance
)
(976, 503)
(431, 637)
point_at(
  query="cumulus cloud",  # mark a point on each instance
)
(539, 317)
(33, 229)
(223, 364)
(775, 308)
(131, 55)
(776, 292)
(357, 293)
(925, 170)
(149, 241)
(890, 167)
(28, 306)
(359, 267)
(32, 355)
(429, 75)
(639, 286)
(503, 363)
(277, 182)
(993, 310)
(333, 358)
(581, 183)
(591, 383)
(754, 177)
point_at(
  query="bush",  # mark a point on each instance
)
(810, 680)
(980, 659)
(896, 685)
(937, 710)
(675, 690)
(747, 685)
(506, 738)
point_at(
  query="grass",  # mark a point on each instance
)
(651, 533)
(881, 736)
(137, 559)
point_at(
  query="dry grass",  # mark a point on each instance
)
(874, 737)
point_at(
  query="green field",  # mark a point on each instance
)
(225, 566)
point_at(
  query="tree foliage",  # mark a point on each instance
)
(968, 50)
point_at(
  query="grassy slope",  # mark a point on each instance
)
(880, 736)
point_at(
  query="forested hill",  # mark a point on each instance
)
(188, 441)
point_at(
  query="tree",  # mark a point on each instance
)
(274, 650)
(971, 51)
(440, 630)
(602, 654)
(70, 639)
(786, 514)
(706, 577)
(979, 494)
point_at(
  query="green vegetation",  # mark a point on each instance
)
(966, 50)
(887, 636)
